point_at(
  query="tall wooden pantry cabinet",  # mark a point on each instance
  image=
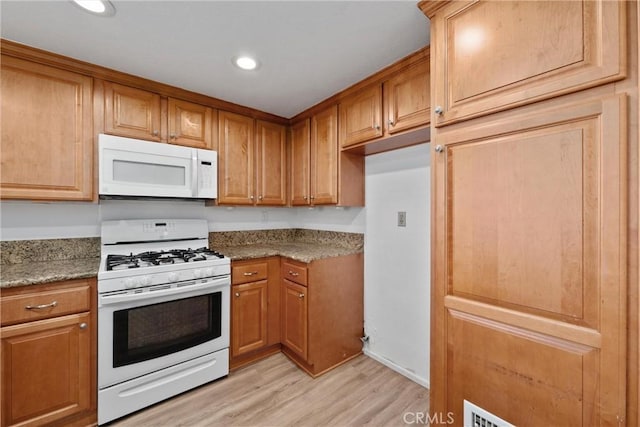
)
(534, 214)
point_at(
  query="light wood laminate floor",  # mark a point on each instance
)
(274, 392)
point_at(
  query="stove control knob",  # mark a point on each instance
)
(197, 274)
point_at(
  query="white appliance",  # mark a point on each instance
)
(163, 313)
(135, 168)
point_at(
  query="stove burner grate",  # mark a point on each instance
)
(151, 258)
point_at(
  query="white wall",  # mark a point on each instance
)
(397, 289)
(40, 220)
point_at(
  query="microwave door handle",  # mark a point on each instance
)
(194, 173)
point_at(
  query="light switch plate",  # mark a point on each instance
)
(402, 219)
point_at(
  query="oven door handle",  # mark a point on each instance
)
(117, 298)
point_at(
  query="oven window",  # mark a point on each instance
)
(150, 331)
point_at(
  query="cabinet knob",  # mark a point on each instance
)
(301, 296)
(83, 325)
(391, 122)
(173, 136)
(259, 197)
(41, 306)
(439, 148)
(251, 197)
(237, 294)
(438, 110)
(377, 127)
(313, 197)
(156, 133)
(305, 197)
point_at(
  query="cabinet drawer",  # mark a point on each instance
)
(294, 273)
(245, 273)
(46, 304)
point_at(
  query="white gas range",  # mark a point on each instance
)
(163, 313)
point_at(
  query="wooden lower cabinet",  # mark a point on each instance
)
(249, 308)
(48, 364)
(322, 311)
(294, 318)
(255, 310)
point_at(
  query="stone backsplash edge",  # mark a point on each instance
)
(21, 251)
(241, 238)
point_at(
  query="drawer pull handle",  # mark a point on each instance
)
(293, 273)
(250, 273)
(41, 306)
(83, 325)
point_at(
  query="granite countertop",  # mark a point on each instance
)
(31, 262)
(299, 251)
(33, 273)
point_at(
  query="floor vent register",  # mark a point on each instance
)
(475, 416)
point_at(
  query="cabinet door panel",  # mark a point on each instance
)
(529, 210)
(47, 133)
(190, 124)
(538, 50)
(46, 370)
(407, 98)
(249, 314)
(132, 113)
(235, 159)
(271, 159)
(361, 116)
(294, 318)
(324, 157)
(299, 163)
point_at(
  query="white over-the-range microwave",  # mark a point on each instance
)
(136, 168)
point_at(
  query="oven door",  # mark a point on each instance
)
(143, 332)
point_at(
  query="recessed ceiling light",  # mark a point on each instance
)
(96, 7)
(245, 63)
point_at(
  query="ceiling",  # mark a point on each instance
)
(308, 50)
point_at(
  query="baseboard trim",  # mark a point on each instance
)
(399, 369)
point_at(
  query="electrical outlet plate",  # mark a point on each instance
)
(402, 219)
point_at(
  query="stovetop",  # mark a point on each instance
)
(156, 258)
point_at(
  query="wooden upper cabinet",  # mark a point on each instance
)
(299, 163)
(407, 98)
(252, 166)
(490, 56)
(324, 157)
(131, 112)
(361, 116)
(271, 164)
(236, 158)
(47, 133)
(190, 124)
(320, 174)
